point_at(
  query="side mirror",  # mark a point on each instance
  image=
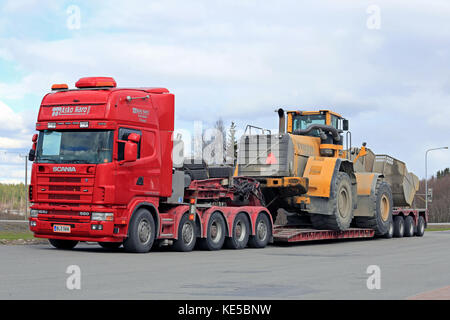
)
(345, 125)
(130, 153)
(32, 153)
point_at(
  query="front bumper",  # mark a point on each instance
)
(81, 231)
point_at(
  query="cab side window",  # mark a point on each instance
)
(123, 135)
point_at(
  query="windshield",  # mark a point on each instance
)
(90, 146)
(304, 121)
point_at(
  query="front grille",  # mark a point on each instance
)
(60, 190)
(65, 179)
(64, 196)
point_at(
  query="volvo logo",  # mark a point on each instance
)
(64, 169)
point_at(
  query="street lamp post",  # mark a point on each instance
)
(426, 175)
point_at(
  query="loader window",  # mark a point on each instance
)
(302, 122)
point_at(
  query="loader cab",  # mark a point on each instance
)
(301, 120)
(325, 125)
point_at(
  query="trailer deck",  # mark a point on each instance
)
(298, 233)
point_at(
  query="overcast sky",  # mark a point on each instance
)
(384, 65)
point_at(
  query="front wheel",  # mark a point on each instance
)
(63, 244)
(141, 232)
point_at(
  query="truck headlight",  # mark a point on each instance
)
(34, 213)
(102, 216)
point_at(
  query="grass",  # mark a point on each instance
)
(16, 235)
(438, 228)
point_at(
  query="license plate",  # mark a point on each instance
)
(59, 228)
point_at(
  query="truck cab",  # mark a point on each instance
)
(99, 151)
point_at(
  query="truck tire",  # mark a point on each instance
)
(141, 232)
(399, 226)
(63, 244)
(382, 217)
(420, 229)
(263, 232)
(342, 202)
(110, 245)
(186, 235)
(240, 233)
(409, 226)
(215, 234)
(390, 233)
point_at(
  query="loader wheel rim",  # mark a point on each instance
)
(343, 202)
(384, 207)
(187, 233)
(144, 231)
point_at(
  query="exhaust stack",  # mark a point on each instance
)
(282, 123)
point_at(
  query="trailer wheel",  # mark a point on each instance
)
(240, 233)
(342, 202)
(215, 234)
(110, 245)
(420, 230)
(399, 226)
(390, 233)
(186, 235)
(409, 226)
(382, 217)
(141, 232)
(63, 244)
(263, 232)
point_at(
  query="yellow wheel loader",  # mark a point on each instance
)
(304, 170)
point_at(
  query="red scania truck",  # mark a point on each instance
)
(103, 172)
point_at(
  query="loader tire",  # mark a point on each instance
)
(343, 201)
(382, 216)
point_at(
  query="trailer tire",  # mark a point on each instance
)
(110, 245)
(63, 244)
(390, 233)
(409, 226)
(382, 204)
(399, 226)
(342, 201)
(215, 234)
(141, 232)
(263, 232)
(420, 229)
(186, 235)
(240, 233)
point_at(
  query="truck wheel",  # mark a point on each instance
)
(390, 233)
(141, 232)
(186, 235)
(241, 232)
(382, 216)
(63, 244)
(342, 201)
(420, 229)
(409, 226)
(215, 236)
(110, 245)
(263, 232)
(399, 226)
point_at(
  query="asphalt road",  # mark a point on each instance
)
(331, 270)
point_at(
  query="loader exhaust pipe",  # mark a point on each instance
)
(282, 123)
